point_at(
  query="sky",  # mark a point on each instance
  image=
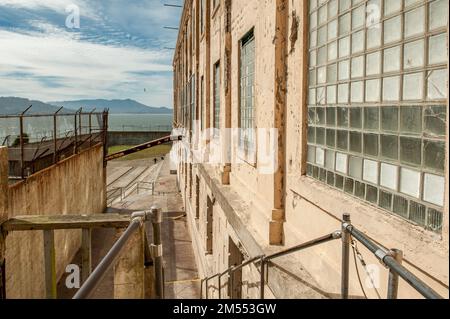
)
(118, 50)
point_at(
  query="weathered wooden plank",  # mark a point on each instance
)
(25, 223)
(50, 264)
(86, 253)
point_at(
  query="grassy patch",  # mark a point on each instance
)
(160, 150)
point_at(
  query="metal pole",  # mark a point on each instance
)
(345, 256)
(201, 288)
(263, 279)
(231, 283)
(157, 252)
(55, 153)
(21, 148)
(219, 281)
(393, 276)
(206, 288)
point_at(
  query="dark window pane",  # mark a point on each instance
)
(311, 134)
(322, 175)
(389, 146)
(389, 119)
(312, 115)
(331, 116)
(371, 144)
(355, 117)
(400, 206)
(356, 142)
(434, 154)
(411, 150)
(339, 182)
(309, 170)
(435, 117)
(342, 117)
(342, 140)
(434, 221)
(330, 178)
(320, 113)
(411, 119)
(372, 194)
(360, 190)
(417, 213)
(385, 200)
(320, 136)
(348, 186)
(331, 138)
(371, 118)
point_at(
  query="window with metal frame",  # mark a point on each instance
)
(377, 104)
(247, 92)
(216, 98)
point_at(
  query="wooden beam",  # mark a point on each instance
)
(86, 253)
(26, 223)
(50, 264)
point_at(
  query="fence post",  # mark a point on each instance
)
(206, 288)
(393, 276)
(263, 279)
(157, 251)
(345, 256)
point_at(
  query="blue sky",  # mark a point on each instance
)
(119, 50)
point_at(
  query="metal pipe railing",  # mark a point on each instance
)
(388, 258)
(100, 271)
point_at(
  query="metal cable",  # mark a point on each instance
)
(357, 272)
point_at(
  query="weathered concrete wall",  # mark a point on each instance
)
(133, 138)
(73, 186)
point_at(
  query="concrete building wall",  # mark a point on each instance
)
(73, 186)
(245, 208)
(133, 138)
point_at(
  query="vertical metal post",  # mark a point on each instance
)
(21, 148)
(55, 137)
(345, 256)
(157, 252)
(50, 264)
(263, 279)
(201, 289)
(231, 283)
(219, 281)
(76, 135)
(393, 276)
(86, 253)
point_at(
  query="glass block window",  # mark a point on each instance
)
(216, 97)
(247, 92)
(377, 102)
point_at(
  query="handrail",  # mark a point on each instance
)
(100, 271)
(387, 259)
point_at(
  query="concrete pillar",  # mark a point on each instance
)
(129, 272)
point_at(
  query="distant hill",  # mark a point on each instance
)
(16, 105)
(115, 106)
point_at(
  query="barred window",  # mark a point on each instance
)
(216, 97)
(377, 102)
(247, 92)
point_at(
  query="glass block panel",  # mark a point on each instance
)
(349, 185)
(438, 49)
(344, 47)
(416, 211)
(360, 190)
(434, 220)
(341, 163)
(320, 156)
(322, 175)
(311, 135)
(322, 75)
(393, 30)
(400, 206)
(357, 94)
(374, 36)
(356, 142)
(311, 154)
(434, 154)
(411, 119)
(331, 94)
(358, 17)
(343, 93)
(410, 182)
(344, 5)
(322, 56)
(333, 8)
(321, 95)
(437, 84)
(372, 194)
(311, 115)
(332, 51)
(331, 73)
(358, 67)
(391, 88)
(312, 96)
(344, 24)
(329, 159)
(323, 14)
(434, 189)
(370, 172)
(344, 70)
(331, 116)
(342, 116)
(331, 138)
(358, 39)
(415, 22)
(389, 119)
(389, 176)
(385, 200)
(438, 14)
(355, 117)
(312, 5)
(309, 170)
(411, 150)
(435, 118)
(355, 167)
(342, 140)
(373, 88)
(373, 63)
(330, 178)
(322, 36)
(392, 6)
(409, 3)
(371, 144)
(320, 116)
(313, 39)
(313, 58)
(392, 59)
(312, 77)
(332, 30)
(313, 20)
(371, 118)
(320, 136)
(414, 54)
(389, 146)
(339, 182)
(413, 86)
